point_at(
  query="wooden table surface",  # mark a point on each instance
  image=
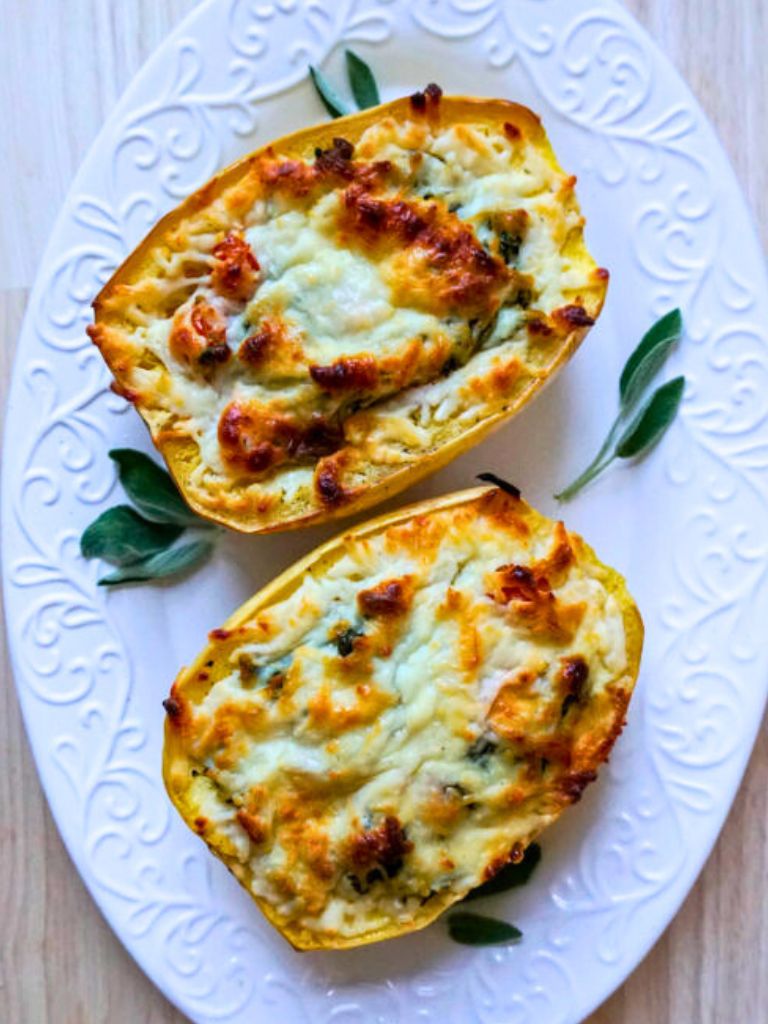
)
(63, 66)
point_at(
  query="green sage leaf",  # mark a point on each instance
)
(653, 421)
(510, 877)
(166, 563)
(648, 358)
(361, 82)
(122, 537)
(151, 489)
(332, 102)
(477, 930)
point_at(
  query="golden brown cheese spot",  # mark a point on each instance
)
(272, 348)
(257, 798)
(275, 685)
(297, 180)
(354, 374)
(335, 165)
(293, 178)
(533, 605)
(357, 666)
(254, 349)
(328, 479)
(517, 583)
(415, 362)
(503, 510)
(336, 161)
(385, 846)
(251, 438)
(512, 132)
(436, 264)
(256, 440)
(226, 737)
(558, 561)
(443, 807)
(523, 716)
(428, 101)
(464, 609)
(318, 437)
(317, 856)
(419, 537)
(595, 737)
(308, 865)
(537, 720)
(289, 806)
(254, 826)
(388, 599)
(178, 710)
(326, 715)
(382, 222)
(573, 317)
(539, 327)
(199, 335)
(236, 270)
(499, 381)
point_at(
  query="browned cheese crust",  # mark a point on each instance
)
(345, 310)
(401, 713)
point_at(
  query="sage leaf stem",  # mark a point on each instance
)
(633, 433)
(596, 466)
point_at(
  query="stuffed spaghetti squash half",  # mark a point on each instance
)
(345, 310)
(397, 716)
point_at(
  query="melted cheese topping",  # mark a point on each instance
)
(406, 720)
(337, 318)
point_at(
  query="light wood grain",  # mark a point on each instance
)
(62, 67)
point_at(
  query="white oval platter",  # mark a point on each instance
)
(687, 525)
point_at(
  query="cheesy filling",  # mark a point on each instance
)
(409, 717)
(365, 303)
